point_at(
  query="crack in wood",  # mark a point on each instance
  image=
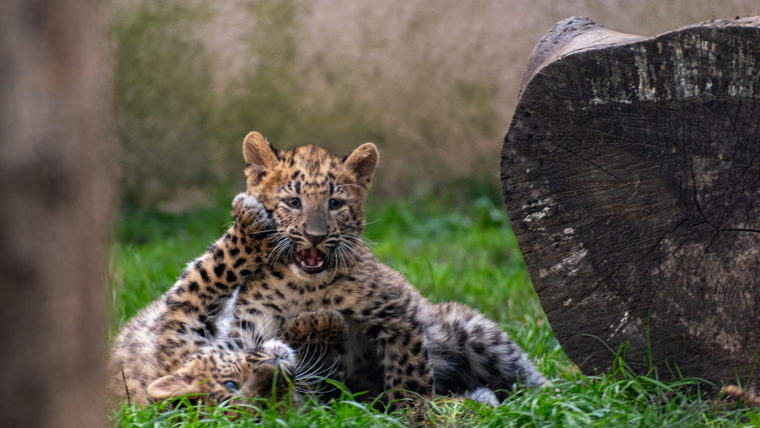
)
(696, 195)
(741, 230)
(597, 166)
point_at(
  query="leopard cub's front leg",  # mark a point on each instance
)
(192, 313)
(194, 303)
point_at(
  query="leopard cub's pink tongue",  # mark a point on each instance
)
(310, 255)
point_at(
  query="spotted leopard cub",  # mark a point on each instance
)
(399, 345)
(223, 372)
(220, 372)
(188, 317)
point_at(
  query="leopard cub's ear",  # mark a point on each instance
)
(362, 162)
(259, 156)
(177, 384)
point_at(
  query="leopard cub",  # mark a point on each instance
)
(163, 336)
(399, 345)
(223, 372)
(180, 343)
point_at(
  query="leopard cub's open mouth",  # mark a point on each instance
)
(310, 260)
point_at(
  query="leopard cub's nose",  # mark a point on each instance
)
(315, 237)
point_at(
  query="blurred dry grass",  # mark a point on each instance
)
(433, 83)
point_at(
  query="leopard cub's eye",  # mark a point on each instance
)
(232, 386)
(293, 202)
(336, 203)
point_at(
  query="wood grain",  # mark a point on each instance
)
(631, 174)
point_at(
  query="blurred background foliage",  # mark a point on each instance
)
(433, 83)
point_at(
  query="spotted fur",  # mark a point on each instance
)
(161, 338)
(181, 339)
(312, 274)
(470, 354)
(222, 373)
(399, 345)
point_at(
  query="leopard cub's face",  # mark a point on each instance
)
(316, 200)
(221, 373)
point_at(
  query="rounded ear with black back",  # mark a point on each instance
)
(259, 156)
(362, 162)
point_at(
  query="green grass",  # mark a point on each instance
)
(450, 248)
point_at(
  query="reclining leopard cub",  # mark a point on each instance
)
(319, 261)
(222, 372)
(179, 344)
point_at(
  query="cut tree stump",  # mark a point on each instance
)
(631, 174)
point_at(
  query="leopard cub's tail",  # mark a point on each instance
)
(470, 354)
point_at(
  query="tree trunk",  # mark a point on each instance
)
(631, 174)
(56, 200)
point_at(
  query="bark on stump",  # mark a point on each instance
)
(631, 174)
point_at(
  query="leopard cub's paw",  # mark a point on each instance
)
(331, 326)
(316, 327)
(280, 351)
(250, 214)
